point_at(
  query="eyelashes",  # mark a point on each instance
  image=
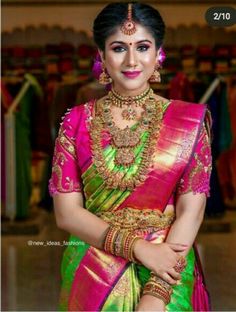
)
(141, 48)
(118, 49)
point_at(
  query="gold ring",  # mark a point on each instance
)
(180, 265)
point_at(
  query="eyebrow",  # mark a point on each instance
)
(121, 42)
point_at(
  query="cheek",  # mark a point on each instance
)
(113, 64)
(149, 59)
(149, 64)
(111, 61)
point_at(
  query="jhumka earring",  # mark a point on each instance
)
(155, 77)
(104, 78)
(129, 27)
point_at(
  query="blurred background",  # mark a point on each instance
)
(47, 56)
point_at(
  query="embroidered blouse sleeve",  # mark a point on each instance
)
(65, 177)
(196, 178)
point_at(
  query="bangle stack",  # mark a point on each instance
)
(120, 243)
(158, 288)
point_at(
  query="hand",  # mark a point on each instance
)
(159, 258)
(150, 303)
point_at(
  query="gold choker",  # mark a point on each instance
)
(129, 112)
(121, 100)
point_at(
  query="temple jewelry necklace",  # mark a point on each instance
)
(125, 140)
(124, 145)
(129, 113)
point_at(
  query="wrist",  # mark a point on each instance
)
(158, 288)
(120, 242)
(138, 247)
(150, 303)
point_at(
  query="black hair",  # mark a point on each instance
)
(114, 15)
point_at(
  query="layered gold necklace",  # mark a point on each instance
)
(129, 113)
(124, 142)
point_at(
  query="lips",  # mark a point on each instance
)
(131, 74)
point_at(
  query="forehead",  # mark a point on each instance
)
(141, 33)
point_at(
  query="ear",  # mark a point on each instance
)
(102, 55)
(157, 56)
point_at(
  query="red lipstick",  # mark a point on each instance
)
(131, 74)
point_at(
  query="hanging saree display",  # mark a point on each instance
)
(175, 152)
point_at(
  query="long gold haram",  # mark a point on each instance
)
(125, 140)
(115, 179)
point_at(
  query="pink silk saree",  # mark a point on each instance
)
(93, 280)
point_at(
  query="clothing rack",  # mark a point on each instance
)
(211, 89)
(10, 142)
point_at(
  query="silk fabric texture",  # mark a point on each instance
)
(93, 280)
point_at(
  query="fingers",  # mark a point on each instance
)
(178, 247)
(167, 278)
(175, 275)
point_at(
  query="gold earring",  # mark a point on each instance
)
(155, 77)
(104, 77)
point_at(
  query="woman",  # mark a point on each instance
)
(139, 164)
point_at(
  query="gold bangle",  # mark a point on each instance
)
(157, 291)
(120, 242)
(157, 280)
(109, 239)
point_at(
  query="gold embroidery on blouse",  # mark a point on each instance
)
(202, 167)
(57, 169)
(146, 220)
(66, 143)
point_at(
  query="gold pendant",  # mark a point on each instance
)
(124, 157)
(129, 114)
(126, 138)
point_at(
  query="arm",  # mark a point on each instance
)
(73, 218)
(191, 195)
(65, 186)
(190, 207)
(189, 216)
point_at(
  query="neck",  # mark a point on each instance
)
(131, 93)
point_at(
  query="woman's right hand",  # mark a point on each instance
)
(159, 258)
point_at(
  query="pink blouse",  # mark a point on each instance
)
(66, 173)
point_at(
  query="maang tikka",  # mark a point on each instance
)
(129, 27)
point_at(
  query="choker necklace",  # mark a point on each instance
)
(129, 113)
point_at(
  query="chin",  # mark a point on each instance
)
(133, 85)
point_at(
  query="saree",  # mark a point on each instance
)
(93, 280)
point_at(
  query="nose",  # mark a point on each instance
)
(131, 59)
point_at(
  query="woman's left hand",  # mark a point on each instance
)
(150, 303)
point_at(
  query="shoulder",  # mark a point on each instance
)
(192, 105)
(186, 109)
(73, 118)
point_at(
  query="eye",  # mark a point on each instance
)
(143, 48)
(118, 49)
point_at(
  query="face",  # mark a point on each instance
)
(130, 60)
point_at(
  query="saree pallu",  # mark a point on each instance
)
(93, 280)
(118, 283)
